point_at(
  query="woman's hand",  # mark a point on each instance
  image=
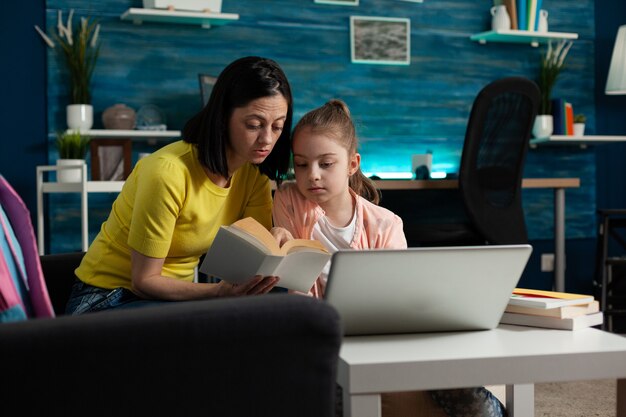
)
(281, 234)
(256, 286)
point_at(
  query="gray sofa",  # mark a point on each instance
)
(272, 355)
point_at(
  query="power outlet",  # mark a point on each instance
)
(547, 262)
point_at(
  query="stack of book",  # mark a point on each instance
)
(563, 117)
(550, 309)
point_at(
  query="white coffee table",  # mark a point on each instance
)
(515, 356)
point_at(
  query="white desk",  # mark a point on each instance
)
(515, 356)
(557, 184)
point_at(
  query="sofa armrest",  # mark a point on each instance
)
(267, 355)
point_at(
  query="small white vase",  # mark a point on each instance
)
(70, 175)
(79, 117)
(579, 129)
(543, 126)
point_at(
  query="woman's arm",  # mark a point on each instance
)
(148, 282)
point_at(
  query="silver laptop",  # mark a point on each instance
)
(415, 290)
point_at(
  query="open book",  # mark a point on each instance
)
(246, 248)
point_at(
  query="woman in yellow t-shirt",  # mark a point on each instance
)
(175, 200)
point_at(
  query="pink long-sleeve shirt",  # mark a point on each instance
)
(376, 227)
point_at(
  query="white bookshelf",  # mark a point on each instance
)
(204, 19)
(582, 141)
(521, 36)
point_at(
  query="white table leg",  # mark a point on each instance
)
(559, 239)
(621, 398)
(361, 405)
(520, 400)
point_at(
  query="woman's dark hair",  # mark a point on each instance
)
(334, 120)
(241, 82)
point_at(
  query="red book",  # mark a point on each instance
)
(569, 118)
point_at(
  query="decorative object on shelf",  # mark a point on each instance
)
(150, 117)
(119, 116)
(616, 80)
(110, 159)
(579, 124)
(72, 147)
(542, 26)
(543, 126)
(79, 116)
(500, 19)
(212, 6)
(80, 49)
(549, 69)
(380, 40)
(206, 85)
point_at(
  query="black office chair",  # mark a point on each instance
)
(610, 279)
(490, 175)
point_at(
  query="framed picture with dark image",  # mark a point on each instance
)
(206, 85)
(380, 40)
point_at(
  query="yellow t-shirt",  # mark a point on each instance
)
(169, 208)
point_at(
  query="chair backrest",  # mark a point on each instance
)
(492, 162)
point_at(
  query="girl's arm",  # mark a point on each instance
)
(148, 282)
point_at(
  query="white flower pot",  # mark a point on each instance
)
(79, 116)
(543, 126)
(70, 174)
(579, 129)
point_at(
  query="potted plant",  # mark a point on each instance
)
(579, 124)
(80, 49)
(550, 67)
(72, 146)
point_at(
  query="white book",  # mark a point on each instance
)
(245, 249)
(573, 323)
(560, 312)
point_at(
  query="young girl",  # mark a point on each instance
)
(333, 202)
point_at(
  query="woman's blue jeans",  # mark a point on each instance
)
(86, 298)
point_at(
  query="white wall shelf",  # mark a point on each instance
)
(582, 141)
(151, 136)
(204, 19)
(521, 36)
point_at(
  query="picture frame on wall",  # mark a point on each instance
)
(339, 2)
(206, 85)
(380, 40)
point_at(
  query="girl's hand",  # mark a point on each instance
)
(256, 286)
(281, 234)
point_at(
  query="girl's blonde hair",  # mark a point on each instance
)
(333, 119)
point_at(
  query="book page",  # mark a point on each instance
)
(302, 244)
(255, 230)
